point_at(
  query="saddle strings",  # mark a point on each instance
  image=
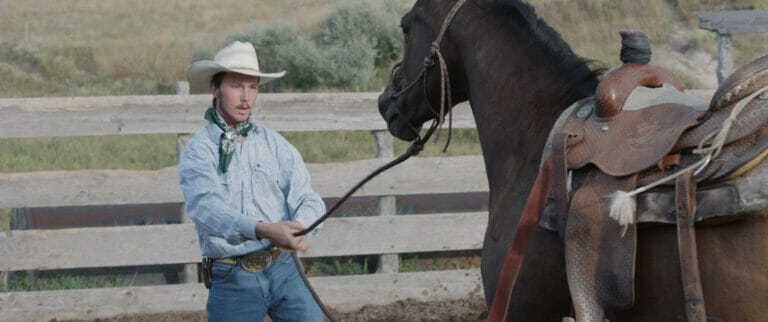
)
(623, 206)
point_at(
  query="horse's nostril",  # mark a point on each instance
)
(390, 114)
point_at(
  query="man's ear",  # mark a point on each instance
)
(215, 91)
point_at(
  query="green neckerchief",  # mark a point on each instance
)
(227, 147)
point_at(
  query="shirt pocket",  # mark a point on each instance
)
(265, 188)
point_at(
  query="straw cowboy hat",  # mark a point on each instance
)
(237, 57)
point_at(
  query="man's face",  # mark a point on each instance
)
(236, 96)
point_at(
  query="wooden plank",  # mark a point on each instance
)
(342, 293)
(89, 187)
(111, 115)
(734, 21)
(111, 187)
(138, 245)
(400, 234)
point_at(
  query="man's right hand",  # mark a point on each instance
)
(281, 235)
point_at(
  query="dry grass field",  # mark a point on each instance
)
(143, 46)
(146, 39)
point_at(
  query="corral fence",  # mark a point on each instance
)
(385, 235)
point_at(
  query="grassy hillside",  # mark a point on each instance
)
(111, 47)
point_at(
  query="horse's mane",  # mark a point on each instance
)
(573, 67)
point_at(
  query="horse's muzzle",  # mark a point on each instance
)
(397, 126)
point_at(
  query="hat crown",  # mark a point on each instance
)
(239, 55)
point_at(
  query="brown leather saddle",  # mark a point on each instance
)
(609, 147)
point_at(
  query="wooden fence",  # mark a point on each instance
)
(385, 235)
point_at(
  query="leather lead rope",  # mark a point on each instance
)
(522, 238)
(685, 197)
(413, 150)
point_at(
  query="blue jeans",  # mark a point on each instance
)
(239, 295)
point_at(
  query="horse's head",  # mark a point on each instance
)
(414, 94)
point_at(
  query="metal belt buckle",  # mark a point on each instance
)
(257, 261)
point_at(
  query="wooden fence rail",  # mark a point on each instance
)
(138, 245)
(116, 115)
(115, 187)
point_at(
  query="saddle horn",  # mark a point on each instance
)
(619, 82)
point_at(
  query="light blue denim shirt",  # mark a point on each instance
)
(266, 181)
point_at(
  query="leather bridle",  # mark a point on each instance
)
(445, 82)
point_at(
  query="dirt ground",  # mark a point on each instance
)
(467, 309)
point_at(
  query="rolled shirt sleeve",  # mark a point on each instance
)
(305, 205)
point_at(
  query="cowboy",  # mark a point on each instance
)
(247, 190)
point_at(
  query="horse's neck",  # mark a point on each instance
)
(514, 107)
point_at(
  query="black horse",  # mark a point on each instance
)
(519, 75)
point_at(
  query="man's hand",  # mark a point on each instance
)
(281, 234)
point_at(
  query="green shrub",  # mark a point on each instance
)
(366, 22)
(349, 65)
(26, 58)
(73, 66)
(81, 57)
(359, 39)
(351, 50)
(285, 48)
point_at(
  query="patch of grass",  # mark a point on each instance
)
(408, 263)
(134, 152)
(151, 152)
(333, 146)
(21, 282)
(433, 261)
(5, 218)
(340, 266)
(463, 142)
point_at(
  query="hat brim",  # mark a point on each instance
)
(200, 73)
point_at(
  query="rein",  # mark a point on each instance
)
(413, 150)
(416, 147)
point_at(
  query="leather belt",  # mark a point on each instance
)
(254, 262)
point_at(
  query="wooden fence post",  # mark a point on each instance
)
(190, 274)
(388, 263)
(724, 57)
(729, 22)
